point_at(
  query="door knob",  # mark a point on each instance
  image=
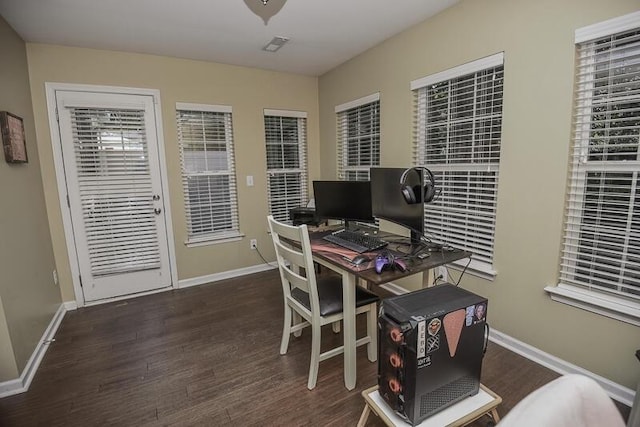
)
(156, 197)
(157, 211)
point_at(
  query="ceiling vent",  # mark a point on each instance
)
(275, 44)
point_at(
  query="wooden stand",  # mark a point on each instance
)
(462, 413)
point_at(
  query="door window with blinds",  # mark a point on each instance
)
(601, 250)
(458, 122)
(286, 147)
(358, 126)
(208, 171)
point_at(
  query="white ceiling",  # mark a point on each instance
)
(322, 33)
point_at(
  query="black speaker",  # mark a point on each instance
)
(415, 194)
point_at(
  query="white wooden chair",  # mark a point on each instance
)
(317, 302)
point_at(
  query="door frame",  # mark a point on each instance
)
(56, 144)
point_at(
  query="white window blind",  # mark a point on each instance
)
(358, 126)
(114, 181)
(457, 125)
(601, 249)
(286, 144)
(208, 172)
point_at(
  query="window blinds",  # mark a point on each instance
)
(114, 182)
(208, 172)
(358, 138)
(457, 134)
(286, 145)
(601, 250)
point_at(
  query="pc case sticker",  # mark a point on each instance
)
(422, 339)
(434, 326)
(480, 313)
(453, 323)
(468, 320)
(433, 343)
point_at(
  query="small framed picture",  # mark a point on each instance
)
(13, 141)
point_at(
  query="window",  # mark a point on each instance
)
(458, 122)
(358, 138)
(601, 248)
(286, 140)
(208, 175)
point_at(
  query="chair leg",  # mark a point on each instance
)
(315, 355)
(297, 319)
(372, 332)
(286, 329)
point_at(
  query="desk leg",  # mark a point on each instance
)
(349, 325)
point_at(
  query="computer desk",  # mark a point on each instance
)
(336, 258)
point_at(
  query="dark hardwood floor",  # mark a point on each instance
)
(208, 355)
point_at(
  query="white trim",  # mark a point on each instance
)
(285, 113)
(394, 289)
(614, 390)
(230, 274)
(460, 70)
(70, 305)
(128, 296)
(212, 108)
(605, 305)
(213, 240)
(358, 102)
(608, 27)
(50, 92)
(475, 268)
(20, 385)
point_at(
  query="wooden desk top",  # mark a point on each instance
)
(399, 245)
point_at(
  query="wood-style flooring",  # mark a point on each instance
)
(209, 355)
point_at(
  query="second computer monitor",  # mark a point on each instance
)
(388, 203)
(345, 200)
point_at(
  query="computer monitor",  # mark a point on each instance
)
(345, 200)
(388, 203)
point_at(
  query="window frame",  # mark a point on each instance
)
(569, 289)
(451, 170)
(233, 233)
(302, 169)
(343, 137)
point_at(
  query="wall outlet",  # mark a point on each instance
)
(253, 244)
(55, 277)
(442, 271)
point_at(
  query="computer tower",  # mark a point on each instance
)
(431, 345)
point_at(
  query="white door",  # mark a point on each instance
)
(112, 170)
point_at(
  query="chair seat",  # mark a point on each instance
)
(330, 296)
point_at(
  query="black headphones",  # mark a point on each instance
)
(412, 194)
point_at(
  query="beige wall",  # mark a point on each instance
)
(247, 90)
(28, 295)
(537, 40)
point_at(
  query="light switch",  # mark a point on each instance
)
(249, 180)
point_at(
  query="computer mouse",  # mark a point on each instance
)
(360, 259)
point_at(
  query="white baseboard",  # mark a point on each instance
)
(196, 281)
(394, 289)
(20, 385)
(70, 305)
(615, 391)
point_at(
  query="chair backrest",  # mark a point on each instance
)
(293, 251)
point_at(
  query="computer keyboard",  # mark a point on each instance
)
(357, 242)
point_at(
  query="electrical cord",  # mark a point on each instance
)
(463, 271)
(265, 261)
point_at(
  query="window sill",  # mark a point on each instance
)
(605, 305)
(475, 268)
(213, 240)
